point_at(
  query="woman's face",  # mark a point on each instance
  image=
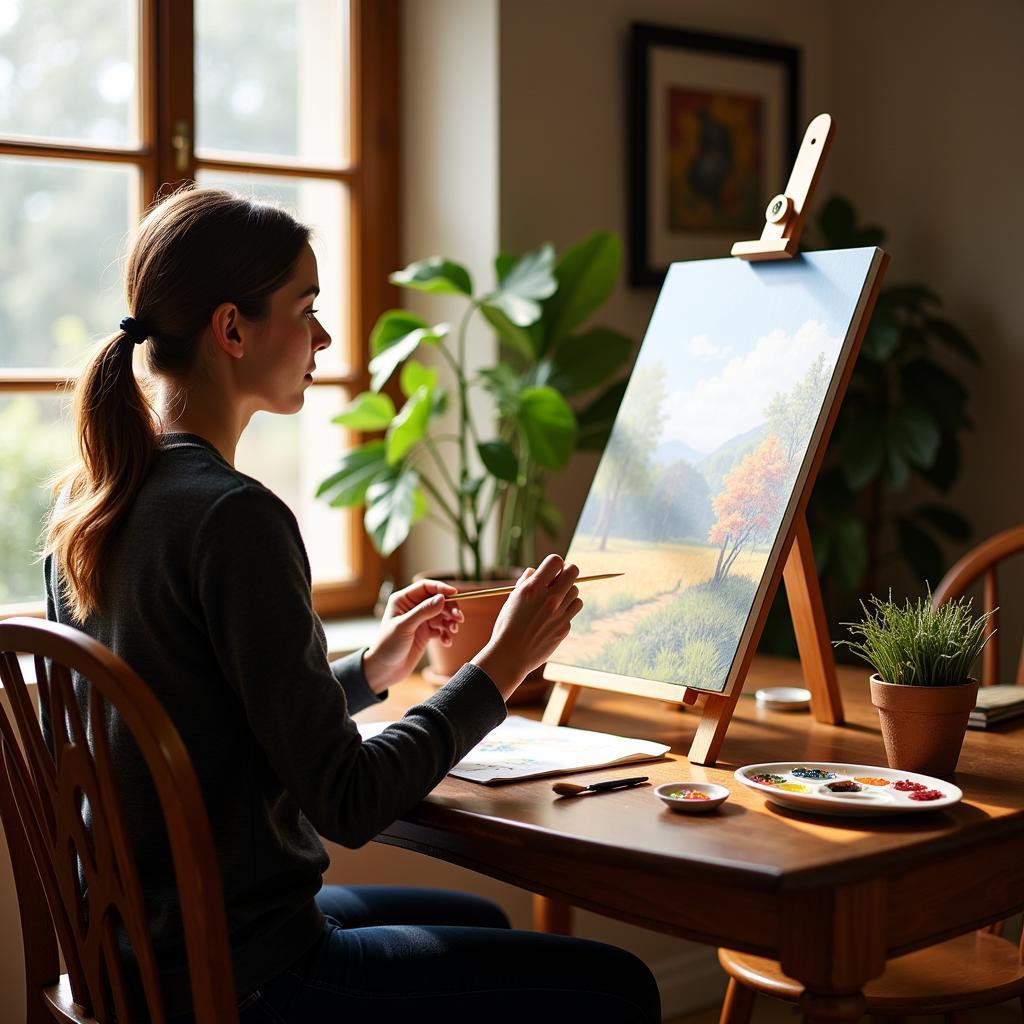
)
(281, 348)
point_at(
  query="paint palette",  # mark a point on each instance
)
(821, 787)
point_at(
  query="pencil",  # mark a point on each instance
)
(472, 595)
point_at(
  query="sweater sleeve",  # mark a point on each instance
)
(350, 674)
(253, 585)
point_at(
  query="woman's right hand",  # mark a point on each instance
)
(531, 624)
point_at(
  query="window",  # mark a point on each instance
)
(102, 103)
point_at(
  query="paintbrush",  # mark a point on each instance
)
(472, 595)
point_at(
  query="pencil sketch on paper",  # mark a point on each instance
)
(708, 450)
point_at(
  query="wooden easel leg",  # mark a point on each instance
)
(713, 725)
(803, 591)
(552, 916)
(560, 704)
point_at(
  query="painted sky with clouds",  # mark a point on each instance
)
(729, 335)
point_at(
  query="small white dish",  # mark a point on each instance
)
(716, 796)
(783, 698)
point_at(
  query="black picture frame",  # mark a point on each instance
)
(647, 262)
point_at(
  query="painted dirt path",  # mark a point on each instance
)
(611, 627)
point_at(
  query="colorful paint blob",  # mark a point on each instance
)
(817, 774)
(794, 787)
(845, 786)
(926, 794)
(871, 780)
(768, 780)
(907, 786)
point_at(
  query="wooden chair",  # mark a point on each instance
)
(42, 792)
(967, 972)
(982, 561)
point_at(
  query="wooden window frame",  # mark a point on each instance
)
(165, 157)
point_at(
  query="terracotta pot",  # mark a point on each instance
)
(923, 726)
(473, 634)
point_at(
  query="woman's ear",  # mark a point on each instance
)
(225, 324)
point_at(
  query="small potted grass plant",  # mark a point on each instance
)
(922, 686)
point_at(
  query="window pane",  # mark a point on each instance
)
(323, 205)
(69, 70)
(64, 226)
(291, 455)
(272, 77)
(35, 442)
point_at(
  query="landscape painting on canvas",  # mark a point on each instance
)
(711, 446)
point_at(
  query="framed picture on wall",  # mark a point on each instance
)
(713, 134)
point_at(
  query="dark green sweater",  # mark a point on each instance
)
(207, 597)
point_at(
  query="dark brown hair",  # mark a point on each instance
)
(194, 250)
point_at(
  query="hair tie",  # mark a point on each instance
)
(134, 329)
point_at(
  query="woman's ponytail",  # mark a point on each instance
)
(116, 441)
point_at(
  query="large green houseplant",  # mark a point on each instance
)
(898, 431)
(414, 466)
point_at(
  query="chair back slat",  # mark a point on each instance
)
(990, 658)
(981, 561)
(62, 812)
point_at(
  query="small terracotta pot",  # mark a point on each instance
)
(473, 634)
(923, 726)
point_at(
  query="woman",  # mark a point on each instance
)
(196, 575)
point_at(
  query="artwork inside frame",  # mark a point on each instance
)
(710, 457)
(713, 135)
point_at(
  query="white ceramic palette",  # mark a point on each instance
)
(814, 779)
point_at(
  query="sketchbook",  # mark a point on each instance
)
(521, 748)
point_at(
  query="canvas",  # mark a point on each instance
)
(707, 462)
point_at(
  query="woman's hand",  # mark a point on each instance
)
(531, 624)
(412, 617)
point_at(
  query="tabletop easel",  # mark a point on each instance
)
(784, 223)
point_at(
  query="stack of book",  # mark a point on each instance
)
(996, 704)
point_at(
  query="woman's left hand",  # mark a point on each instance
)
(413, 616)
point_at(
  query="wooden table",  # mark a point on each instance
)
(830, 898)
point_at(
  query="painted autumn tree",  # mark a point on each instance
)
(750, 504)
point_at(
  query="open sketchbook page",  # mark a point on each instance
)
(521, 748)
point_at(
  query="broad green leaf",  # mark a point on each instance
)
(897, 471)
(391, 327)
(435, 274)
(503, 263)
(586, 275)
(882, 338)
(919, 548)
(946, 468)
(409, 426)
(550, 517)
(914, 433)
(849, 551)
(518, 339)
(368, 411)
(952, 337)
(589, 359)
(397, 335)
(595, 421)
(415, 375)
(863, 457)
(945, 520)
(499, 459)
(358, 470)
(528, 280)
(549, 425)
(391, 508)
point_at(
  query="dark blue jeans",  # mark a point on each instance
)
(420, 955)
